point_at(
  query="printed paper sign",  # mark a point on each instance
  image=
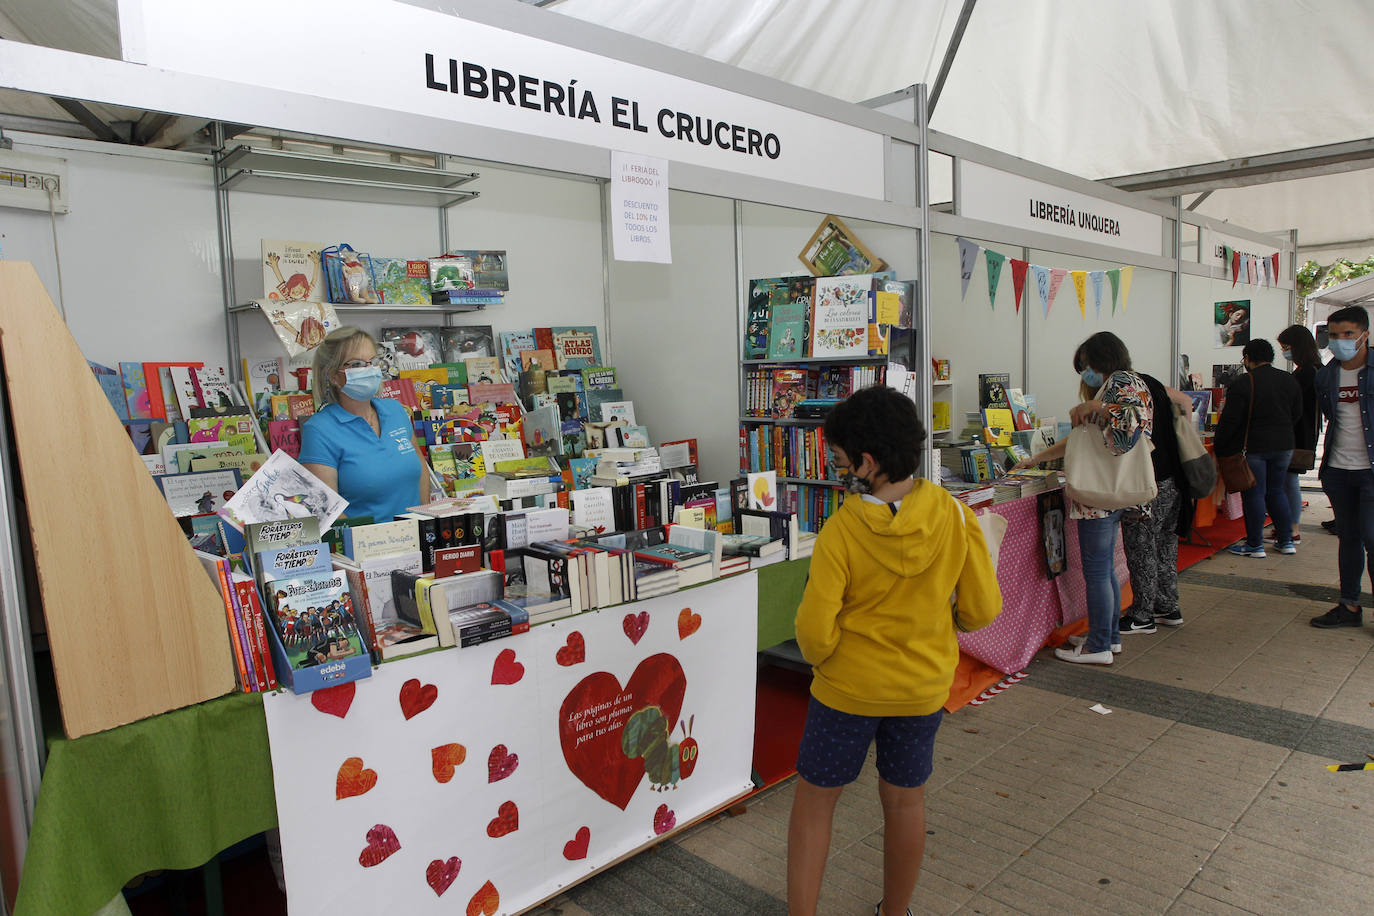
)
(639, 208)
(485, 779)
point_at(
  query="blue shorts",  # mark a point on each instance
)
(835, 745)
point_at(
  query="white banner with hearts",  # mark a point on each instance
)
(484, 780)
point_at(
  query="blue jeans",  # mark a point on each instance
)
(1270, 470)
(1293, 490)
(1097, 552)
(1352, 500)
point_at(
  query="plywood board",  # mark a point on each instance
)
(135, 626)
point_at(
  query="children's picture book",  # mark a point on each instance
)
(894, 301)
(291, 271)
(787, 330)
(834, 250)
(212, 387)
(400, 281)
(597, 377)
(460, 342)
(582, 471)
(282, 489)
(630, 436)
(112, 386)
(300, 326)
(481, 393)
(399, 389)
(541, 359)
(598, 398)
(576, 347)
(789, 390)
(992, 389)
(485, 269)
(494, 450)
(543, 432)
(512, 343)
(763, 491)
(1020, 410)
(199, 493)
(939, 416)
(762, 294)
(416, 347)
(315, 618)
(235, 429)
(135, 391)
(839, 323)
(290, 532)
(998, 425)
(483, 370)
(618, 410)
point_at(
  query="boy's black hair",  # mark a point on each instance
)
(1351, 314)
(1259, 351)
(883, 423)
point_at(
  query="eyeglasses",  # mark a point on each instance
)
(362, 363)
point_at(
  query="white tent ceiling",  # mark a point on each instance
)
(1100, 88)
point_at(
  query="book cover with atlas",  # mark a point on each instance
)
(576, 347)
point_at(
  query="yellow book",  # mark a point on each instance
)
(997, 425)
(940, 416)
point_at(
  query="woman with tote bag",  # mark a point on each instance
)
(1107, 468)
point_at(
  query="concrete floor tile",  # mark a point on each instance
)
(1191, 903)
(1030, 888)
(986, 906)
(1260, 680)
(1267, 879)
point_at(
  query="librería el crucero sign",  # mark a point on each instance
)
(396, 58)
(552, 97)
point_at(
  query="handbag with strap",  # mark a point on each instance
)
(1094, 476)
(1235, 470)
(1199, 470)
(1304, 459)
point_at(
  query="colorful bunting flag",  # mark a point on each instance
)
(1114, 277)
(1264, 264)
(1235, 267)
(1275, 257)
(1056, 278)
(1127, 274)
(968, 256)
(1018, 279)
(1042, 285)
(994, 260)
(1097, 276)
(1080, 286)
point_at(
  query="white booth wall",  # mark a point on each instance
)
(1269, 314)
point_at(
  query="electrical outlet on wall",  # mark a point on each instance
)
(26, 179)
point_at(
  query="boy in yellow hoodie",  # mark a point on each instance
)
(877, 624)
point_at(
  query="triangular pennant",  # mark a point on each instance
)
(1042, 285)
(994, 260)
(968, 256)
(1275, 257)
(1264, 265)
(1235, 267)
(1251, 271)
(1056, 278)
(1127, 274)
(1114, 276)
(1018, 279)
(1097, 276)
(1080, 286)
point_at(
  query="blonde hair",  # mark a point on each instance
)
(330, 357)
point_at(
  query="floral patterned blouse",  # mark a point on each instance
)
(1131, 413)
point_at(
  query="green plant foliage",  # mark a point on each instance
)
(1312, 277)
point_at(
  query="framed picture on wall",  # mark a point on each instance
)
(1232, 321)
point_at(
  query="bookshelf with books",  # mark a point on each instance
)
(809, 343)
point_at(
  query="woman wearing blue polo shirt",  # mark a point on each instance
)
(360, 444)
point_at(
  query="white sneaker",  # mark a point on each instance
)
(1078, 656)
(1080, 640)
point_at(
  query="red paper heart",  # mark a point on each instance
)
(687, 623)
(576, 848)
(506, 670)
(353, 779)
(507, 820)
(440, 874)
(444, 758)
(598, 760)
(574, 651)
(636, 625)
(381, 843)
(501, 764)
(334, 701)
(485, 901)
(415, 698)
(664, 820)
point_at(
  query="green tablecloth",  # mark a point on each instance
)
(172, 791)
(166, 792)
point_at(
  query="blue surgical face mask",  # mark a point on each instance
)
(1344, 349)
(1092, 378)
(1287, 354)
(362, 384)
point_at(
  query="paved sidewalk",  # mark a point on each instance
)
(1204, 792)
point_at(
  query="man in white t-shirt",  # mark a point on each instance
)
(1344, 390)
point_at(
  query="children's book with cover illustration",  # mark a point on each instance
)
(542, 359)
(576, 347)
(300, 326)
(416, 347)
(283, 489)
(291, 271)
(543, 432)
(627, 436)
(135, 391)
(893, 301)
(789, 390)
(315, 619)
(483, 370)
(1020, 411)
(597, 398)
(762, 293)
(458, 343)
(787, 330)
(235, 429)
(597, 377)
(401, 281)
(618, 410)
(199, 493)
(112, 386)
(992, 389)
(484, 269)
(512, 342)
(839, 322)
(998, 425)
(213, 388)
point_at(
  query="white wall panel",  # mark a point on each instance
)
(1198, 332)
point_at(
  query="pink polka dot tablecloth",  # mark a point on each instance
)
(1032, 605)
